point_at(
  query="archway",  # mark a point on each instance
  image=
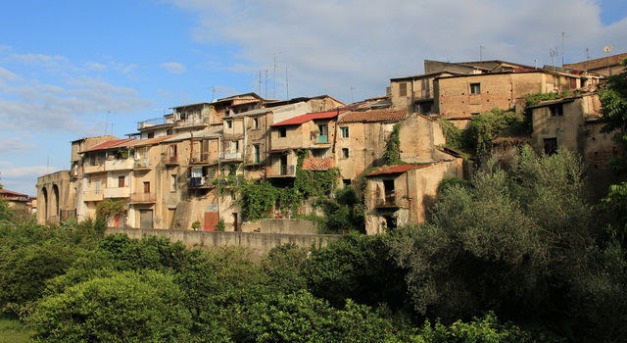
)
(44, 205)
(55, 210)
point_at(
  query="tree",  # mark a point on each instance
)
(358, 267)
(613, 98)
(522, 243)
(122, 307)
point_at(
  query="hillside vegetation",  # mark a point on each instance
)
(513, 255)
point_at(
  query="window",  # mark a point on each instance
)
(229, 124)
(121, 181)
(150, 135)
(475, 88)
(345, 153)
(323, 136)
(256, 153)
(173, 183)
(255, 123)
(282, 132)
(556, 110)
(146, 187)
(550, 146)
(344, 131)
(402, 89)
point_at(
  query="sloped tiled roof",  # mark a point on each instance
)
(109, 145)
(374, 116)
(308, 117)
(398, 169)
(5, 193)
(146, 142)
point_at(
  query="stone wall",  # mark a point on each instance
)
(282, 226)
(258, 243)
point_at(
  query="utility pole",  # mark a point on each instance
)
(563, 35)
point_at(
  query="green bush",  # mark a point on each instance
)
(122, 307)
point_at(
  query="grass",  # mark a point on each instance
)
(13, 331)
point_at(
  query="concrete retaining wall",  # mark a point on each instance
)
(285, 226)
(258, 243)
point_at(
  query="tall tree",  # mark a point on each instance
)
(614, 108)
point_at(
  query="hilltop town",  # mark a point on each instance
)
(186, 170)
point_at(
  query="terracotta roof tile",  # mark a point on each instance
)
(374, 116)
(109, 145)
(308, 117)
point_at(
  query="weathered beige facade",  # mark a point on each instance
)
(574, 123)
(399, 195)
(361, 140)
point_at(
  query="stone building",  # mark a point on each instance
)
(574, 123)
(361, 140)
(399, 195)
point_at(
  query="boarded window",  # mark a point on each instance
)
(402, 89)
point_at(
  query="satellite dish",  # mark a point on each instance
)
(608, 48)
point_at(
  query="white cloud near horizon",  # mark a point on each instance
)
(330, 46)
(47, 102)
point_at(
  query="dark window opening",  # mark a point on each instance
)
(475, 88)
(282, 132)
(550, 146)
(556, 110)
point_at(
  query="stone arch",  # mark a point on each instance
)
(44, 205)
(54, 204)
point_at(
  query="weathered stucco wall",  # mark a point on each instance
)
(258, 243)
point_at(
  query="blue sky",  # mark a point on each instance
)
(76, 68)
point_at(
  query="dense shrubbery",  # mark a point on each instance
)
(523, 245)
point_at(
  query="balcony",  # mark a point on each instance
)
(231, 156)
(153, 122)
(117, 164)
(117, 192)
(318, 163)
(93, 195)
(388, 201)
(171, 160)
(200, 182)
(284, 171)
(143, 198)
(96, 168)
(193, 122)
(141, 165)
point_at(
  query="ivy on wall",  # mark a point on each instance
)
(392, 153)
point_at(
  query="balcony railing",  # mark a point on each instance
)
(117, 192)
(97, 168)
(388, 200)
(153, 122)
(192, 122)
(118, 164)
(93, 195)
(141, 165)
(318, 163)
(143, 198)
(226, 156)
(200, 182)
(171, 160)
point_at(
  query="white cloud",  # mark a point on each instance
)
(7, 75)
(329, 46)
(174, 67)
(15, 145)
(43, 101)
(25, 172)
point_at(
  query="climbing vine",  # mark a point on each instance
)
(257, 199)
(392, 153)
(110, 207)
